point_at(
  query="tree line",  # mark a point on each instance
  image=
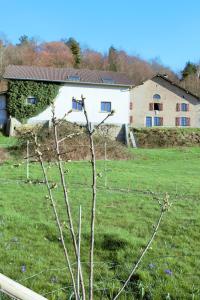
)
(68, 53)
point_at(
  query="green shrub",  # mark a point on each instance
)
(166, 137)
(18, 92)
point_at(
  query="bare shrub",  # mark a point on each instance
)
(75, 147)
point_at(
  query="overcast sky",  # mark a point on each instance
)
(167, 30)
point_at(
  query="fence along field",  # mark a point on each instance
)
(126, 212)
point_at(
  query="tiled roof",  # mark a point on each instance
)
(63, 75)
(164, 77)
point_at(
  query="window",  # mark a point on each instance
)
(184, 107)
(148, 121)
(108, 80)
(74, 78)
(32, 100)
(184, 121)
(156, 97)
(156, 106)
(158, 121)
(105, 106)
(77, 104)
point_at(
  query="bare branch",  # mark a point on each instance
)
(56, 216)
(164, 208)
(66, 199)
(70, 136)
(93, 210)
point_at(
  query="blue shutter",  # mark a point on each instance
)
(74, 104)
(108, 107)
(79, 104)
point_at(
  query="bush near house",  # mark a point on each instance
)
(166, 137)
(19, 91)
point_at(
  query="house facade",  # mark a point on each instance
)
(103, 92)
(160, 102)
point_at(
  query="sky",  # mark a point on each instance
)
(166, 30)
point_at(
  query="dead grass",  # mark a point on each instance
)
(3, 155)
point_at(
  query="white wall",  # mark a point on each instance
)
(119, 98)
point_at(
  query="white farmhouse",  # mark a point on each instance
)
(104, 91)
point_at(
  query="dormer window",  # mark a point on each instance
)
(74, 78)
(156, 97)
(108, 80)
(31, 100)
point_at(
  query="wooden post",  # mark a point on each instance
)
(105, 165)
(79, 253)
(16, 290)
(27, 160)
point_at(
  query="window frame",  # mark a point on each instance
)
(78, 105)
(184, 107)
(31, 103)
(155, 123)
(156, 97)
(74, 78)
(183, 121)
(106, 103)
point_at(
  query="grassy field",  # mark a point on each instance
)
(30, 250)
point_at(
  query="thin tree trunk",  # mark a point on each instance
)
(66, 199)
(142, 255)
(58, 223)
(93, 209)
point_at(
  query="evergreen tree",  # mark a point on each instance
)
(23, 40)
(76, 51)
(112, 59)
(190, 69)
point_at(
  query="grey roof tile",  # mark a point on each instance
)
(62, 75)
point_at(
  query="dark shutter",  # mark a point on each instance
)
(131, 105)
(161, 121)
(177, 123)
(151, 106)
(188, 107)
(161, 106)
(178, 106)
(188, 121)
(131, 119)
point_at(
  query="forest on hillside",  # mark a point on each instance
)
(69, 53)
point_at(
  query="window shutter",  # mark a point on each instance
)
(177, 121)
(131, 119)
(178, 106)
(161, 106)
(188, 121)
(131, 105)
(161, 121)
(188, 107)
(151, 106)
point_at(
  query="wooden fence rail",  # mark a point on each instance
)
(16, 290)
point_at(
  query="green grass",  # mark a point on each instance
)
(124, 223)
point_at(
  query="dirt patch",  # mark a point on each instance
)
(3, 155)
